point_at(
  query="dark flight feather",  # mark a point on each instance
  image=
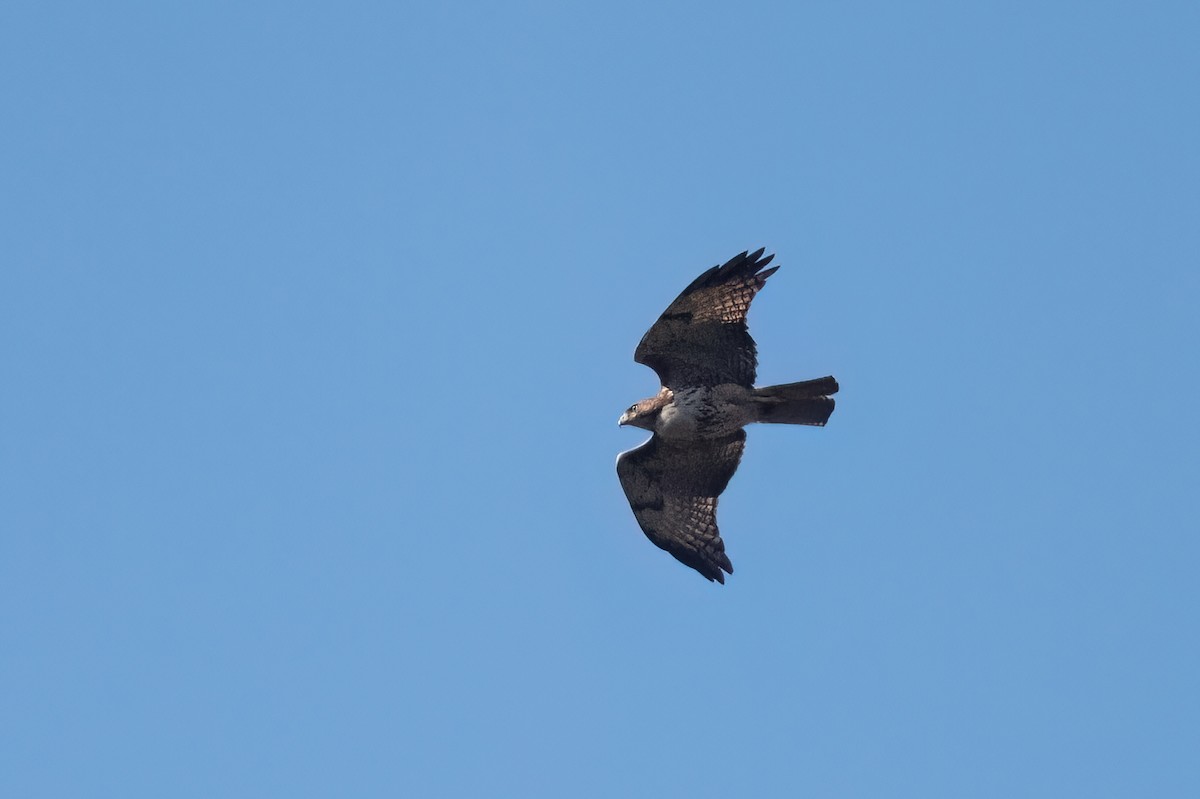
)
(673, 492)
(702, 338)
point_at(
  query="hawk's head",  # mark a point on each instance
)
(644, 413)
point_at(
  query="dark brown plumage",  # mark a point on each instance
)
(673, 490)
(702, 338)
(707, 362)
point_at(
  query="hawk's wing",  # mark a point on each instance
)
(673, 490)
(701, 339)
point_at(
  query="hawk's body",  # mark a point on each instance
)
(704, 412)
(707, 361)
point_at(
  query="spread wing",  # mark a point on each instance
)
(702, 339)
(673, 490)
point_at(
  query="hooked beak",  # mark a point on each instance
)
(624, 420)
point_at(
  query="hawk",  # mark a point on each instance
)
(706, 360)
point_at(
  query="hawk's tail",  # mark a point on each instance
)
(806, 402)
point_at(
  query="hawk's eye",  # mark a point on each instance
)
(632, 410)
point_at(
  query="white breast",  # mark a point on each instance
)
(678, 420)
(705, 412)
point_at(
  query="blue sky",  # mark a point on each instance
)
(316, 320)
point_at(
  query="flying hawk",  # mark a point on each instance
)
(704, 356)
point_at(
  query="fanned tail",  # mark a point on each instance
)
(807, 402)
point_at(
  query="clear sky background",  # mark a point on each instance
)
(316, 321)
